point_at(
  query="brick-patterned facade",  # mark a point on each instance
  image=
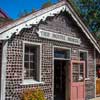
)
(62, 24)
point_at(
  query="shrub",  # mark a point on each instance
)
(33, 94)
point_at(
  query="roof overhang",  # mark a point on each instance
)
(35, 18)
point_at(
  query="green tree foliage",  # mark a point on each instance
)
(25, 13)
(47, 4)
(89, 10)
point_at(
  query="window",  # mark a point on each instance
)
(77, 72)
(61, 53)
(31, 62)
(84, 56)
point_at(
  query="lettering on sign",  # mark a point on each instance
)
(58, 37)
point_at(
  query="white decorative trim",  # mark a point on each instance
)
(32, 81)
(36, 17)
(3, 70)
(35, 20)
(58, 37)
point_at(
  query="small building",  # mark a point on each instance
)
(51, 49)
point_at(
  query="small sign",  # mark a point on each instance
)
(58, 37)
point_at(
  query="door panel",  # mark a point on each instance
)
(77, 83)
(98, 87)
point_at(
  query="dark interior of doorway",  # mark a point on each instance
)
(60, 79)
(98, 71)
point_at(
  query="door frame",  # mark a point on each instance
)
(71, 78)
(59, 47)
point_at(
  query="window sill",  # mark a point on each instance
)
(30, 82)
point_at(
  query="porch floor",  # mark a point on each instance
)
(97, 98)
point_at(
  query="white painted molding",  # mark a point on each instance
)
(58, 37)
(3, 70)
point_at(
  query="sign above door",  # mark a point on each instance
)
(58, 37)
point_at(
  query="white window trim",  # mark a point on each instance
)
(80, 50)
(26, 81)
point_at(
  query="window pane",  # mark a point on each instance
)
(33, 74)
(32, 57)
(32, 65)
(75, 73)
(62, 53)
(83, 56)
(26, 65)
(30, 62)
(33, 50)
(67, 54)
(26, 74)
(26, 57)
(81, 68)
(26, 49)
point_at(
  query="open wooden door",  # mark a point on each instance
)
(98, 80)
(77, 82)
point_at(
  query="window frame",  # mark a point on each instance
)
(63, 48)
(32, 81)
(85, 51)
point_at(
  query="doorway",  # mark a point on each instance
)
(60, 79)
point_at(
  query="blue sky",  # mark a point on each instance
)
(13, 8)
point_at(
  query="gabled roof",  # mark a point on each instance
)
(34, 18)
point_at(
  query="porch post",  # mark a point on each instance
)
(3, 69)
